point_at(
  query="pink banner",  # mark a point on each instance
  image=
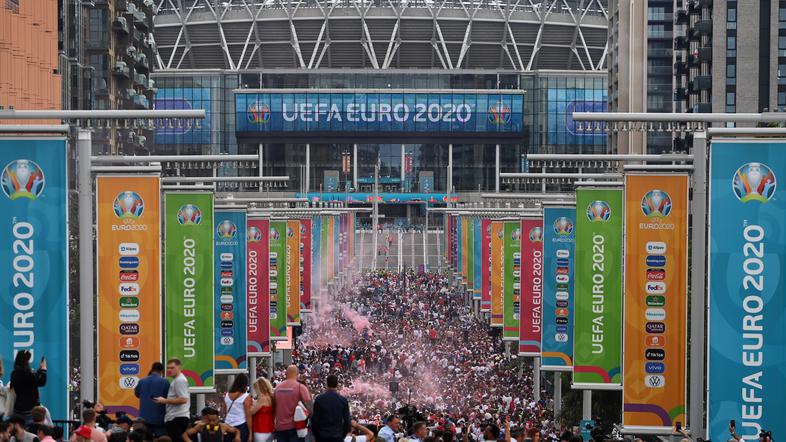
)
(305, 256)
(530, 325)
(257, 287)
(485, 265)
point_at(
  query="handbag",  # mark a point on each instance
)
(10, 401)
(3, 398)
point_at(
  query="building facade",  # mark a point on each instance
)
(108, 52)
(29, 77)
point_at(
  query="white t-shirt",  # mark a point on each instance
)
(178, 388)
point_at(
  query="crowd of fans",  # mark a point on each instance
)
(407, 341)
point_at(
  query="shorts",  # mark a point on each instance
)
(263, 437)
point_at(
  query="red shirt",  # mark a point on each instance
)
(288, 394)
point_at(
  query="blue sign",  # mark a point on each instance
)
(229, 290)
(358, 198)
(558, 252)
(180, 130)
(561, 103)
(394, 112)
(747, 321)
(34, 257)
(477, 260)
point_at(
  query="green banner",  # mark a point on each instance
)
(512, 283)
(278, 280)
(598, 289)
(188, 266)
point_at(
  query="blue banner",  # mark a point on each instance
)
(230, 291)
(558, 247)
(747, 322)
(561, 103)
(34, 253)
(477, 259)
(183, 130)
(395, 112)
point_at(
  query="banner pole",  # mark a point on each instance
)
(557, 392)
(698, 287)
(536, 378)
(586, 405)
(252, 370)
(86, 289)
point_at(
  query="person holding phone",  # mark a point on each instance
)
(25, 384)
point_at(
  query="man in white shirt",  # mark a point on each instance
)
(388, 432)
(177, 401)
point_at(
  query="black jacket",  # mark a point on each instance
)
(330, 421)
(25, 384)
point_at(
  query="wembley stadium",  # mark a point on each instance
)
(443, 95)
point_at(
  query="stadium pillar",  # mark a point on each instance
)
(261, 160)
(450, 173)
(403, 171)
(86, 301)
(586, 405)
(697, 391)
(355, 167)
(557, 392)
(496, 169)
(308, 168)
(200, 402)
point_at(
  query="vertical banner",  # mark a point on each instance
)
(477, 260)
(598, 327)
(188, 265)
(558, 265)
(258, 286)
(34, 308)
(470, 254)
(485, 265)
(656, 289)
(512, 281)
(278, 280)
(316, 256)
(293, 272)
(531, 319)
(229, 285)
(463, 249)
(306, 257)
(497, 273)
(336, 245)
(128, 218)
(324, 254)
(747, 321)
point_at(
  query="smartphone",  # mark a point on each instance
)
(679, 426)
(43, 359)
(732, 423)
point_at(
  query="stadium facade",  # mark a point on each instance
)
(325, 88)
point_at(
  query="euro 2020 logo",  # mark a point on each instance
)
(563, 226)
(656, 204)
(254, 234)
(128, 205)
(189, 215)
(598, 211)
(23, 179)
(499, 114)
(515, 235)
(754, 182)
(274, 234)
(536, 234)
(258, 113)
(226, 230)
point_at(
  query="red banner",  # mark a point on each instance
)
(531, 322)
(258, 287)
(305, 257)
(485, 265)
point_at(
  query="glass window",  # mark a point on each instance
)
(731, 18)
(731, 98)
(731, 71)
(781, 99)
(782, 14)
(731, 42)
(781, 46)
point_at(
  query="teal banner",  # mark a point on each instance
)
(229, 286)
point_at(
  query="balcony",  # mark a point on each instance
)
(140, 80)
(680, 43)
(702, 108)
(704, 27)
(141, 102)
(140, 21)
(141, 63)
(120, 25)
(680, 68)
(121, 70)
(681, 17)
(680, 94)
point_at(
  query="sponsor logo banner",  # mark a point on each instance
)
(229, 254)
(258, 287)
(656, 220)
(747, 318)
(511, 284)
(188, 262)
(531, 322)
(278, 282)
(497, 270)
(598, 288)
(485, 265)
(128, 275)
(558, 251)
(477, 260)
